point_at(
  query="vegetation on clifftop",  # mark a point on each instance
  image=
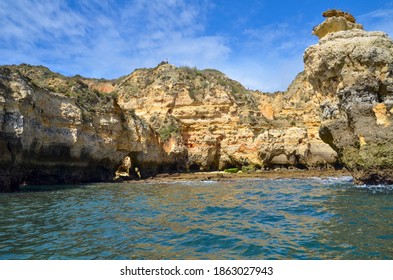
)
(84, 91)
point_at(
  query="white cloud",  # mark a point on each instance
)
(111, 38)
(271, 56)
(27, 21)
(378, 20)
(105, 39)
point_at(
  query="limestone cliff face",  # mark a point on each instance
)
(50, 135)
(293, 137)
(200, 114)
(56, 129)
(217, 123)
(351, 73)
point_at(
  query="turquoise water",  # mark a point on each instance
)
(244, 219)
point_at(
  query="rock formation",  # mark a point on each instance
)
(293, 137)
(351, 73)
(336, 20)
(219, 124)
(56, 129)
(339, 13)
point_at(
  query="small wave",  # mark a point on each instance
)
(333, 180)
(375, 188)
(209, 181)
(182, 182)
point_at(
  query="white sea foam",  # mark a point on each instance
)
(333, 180)
(380, 188)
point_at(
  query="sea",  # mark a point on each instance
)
(284, 219)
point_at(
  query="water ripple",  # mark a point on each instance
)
(313, 218)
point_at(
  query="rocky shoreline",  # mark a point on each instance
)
(337, 113)
(222, 176)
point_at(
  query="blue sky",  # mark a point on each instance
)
(257, 42)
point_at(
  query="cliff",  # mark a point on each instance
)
(219, 124)
(56, 129)
(351, 73)
(338, 111)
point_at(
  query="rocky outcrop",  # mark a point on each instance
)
(351, 73)
(56, 129)
(293, 137)
(336, 20)
(219, 124)
(338, 13)
(52, 133)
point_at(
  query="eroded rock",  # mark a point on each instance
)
(218, 124)
(49, 137)
(336, 20)
(352, 74)
(56, 129)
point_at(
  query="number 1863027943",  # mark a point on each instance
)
(239, 270)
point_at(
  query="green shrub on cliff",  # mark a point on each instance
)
(169, 127)
(167, 131)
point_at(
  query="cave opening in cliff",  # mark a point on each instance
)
(194, 167)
